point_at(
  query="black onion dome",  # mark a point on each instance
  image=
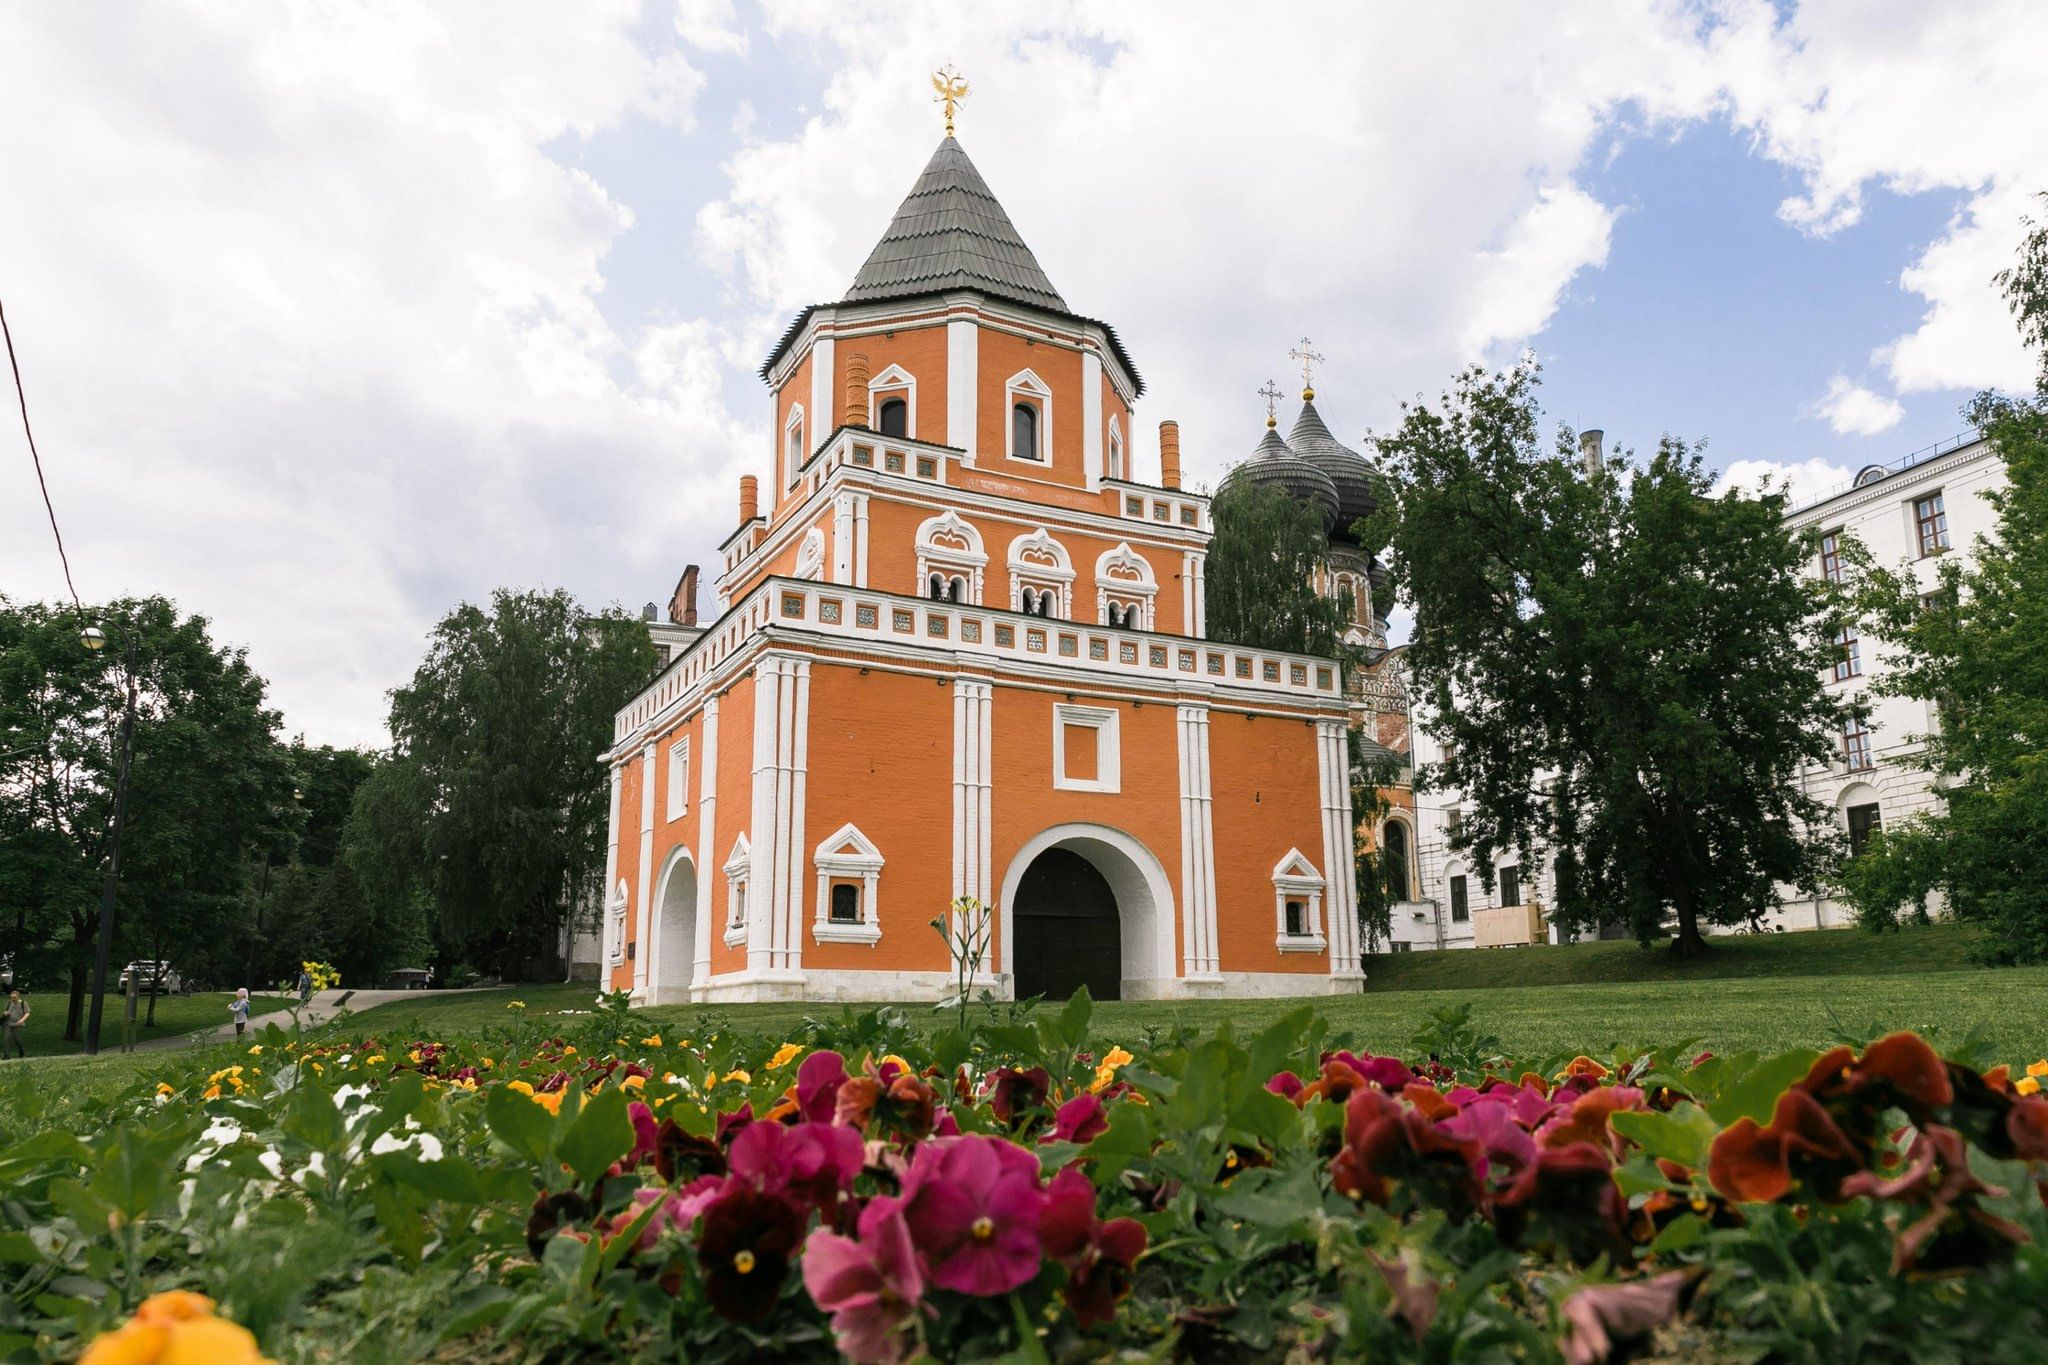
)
(1347, 469)
(1273, 465)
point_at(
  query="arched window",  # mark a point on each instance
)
(1116, 450)
(1116, 614)
(894, 418)
(1394, 860)
(1024, 432)
(1040, 601)
(946, 588)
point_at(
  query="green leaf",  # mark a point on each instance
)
(598, 1136)
(1686, 1230)
(1752, 1091)
(1682, 1135)
(521, 1124)
(311, 1117)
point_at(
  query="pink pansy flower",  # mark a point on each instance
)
(947, 1125)
(972, 1204)
(1098, 1255)
(1388, 1073)
(1080, 1119)
(818, 1078)
(1507, 1145)
(646, 1134)
(811, 1161)
(1286, 1085)
(871, 1287)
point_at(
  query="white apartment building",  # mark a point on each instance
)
(1913, 511)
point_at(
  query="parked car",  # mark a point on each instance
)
(152, 978)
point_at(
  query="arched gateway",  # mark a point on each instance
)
(1086, 905)
(675, 931)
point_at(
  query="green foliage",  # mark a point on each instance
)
(1259, 578)
(1623, 667)
(492, 808)
(1981, 655)
(207, 788)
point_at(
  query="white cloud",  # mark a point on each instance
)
(1856, 411)
(1805, 480)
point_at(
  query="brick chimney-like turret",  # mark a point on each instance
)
(682, 607)
(855, 414)
(750, 498)
(1169, 454)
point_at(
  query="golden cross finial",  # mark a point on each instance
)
(1271, 393)
(952, 89)
(1309, 360)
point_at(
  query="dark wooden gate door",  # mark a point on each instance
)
(1067, 934)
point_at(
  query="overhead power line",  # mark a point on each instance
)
(22, 397)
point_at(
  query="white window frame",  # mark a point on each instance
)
(737, 911)
(949, 545)
(1114, 451)
(1296, 878)
(1028, 567)
(793, 448)
(1108, 748)
(888, 383)
(1027, 386)
(679, 777)
(844, 855)
(1141, 591)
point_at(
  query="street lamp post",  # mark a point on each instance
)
(94, 639)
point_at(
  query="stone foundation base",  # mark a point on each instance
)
(928, 988)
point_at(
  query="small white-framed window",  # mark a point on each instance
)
(1116, 451)
(950, 549)
(679, 778)
(1125, 589)
(1298, 905)
(736, 869)
(849, 868)
(793, 448)
(1041, 576)
(1086, 752)
(892, 398)
(1028, 401)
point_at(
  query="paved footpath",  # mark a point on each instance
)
(324, 1006)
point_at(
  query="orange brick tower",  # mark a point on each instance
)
(962, 654)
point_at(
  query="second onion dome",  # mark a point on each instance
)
(1274, 465)
(1348, 471)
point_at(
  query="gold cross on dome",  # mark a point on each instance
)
(1271, 393)
(952, 90)
(1309, 360)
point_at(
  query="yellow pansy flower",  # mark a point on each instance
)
(2027, 1085)
(784, 1055)
(2038, 1069)
(651, 1040)
(1105, 1074)
(633, 1083)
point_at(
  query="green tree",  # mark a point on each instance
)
(493, 805)
(1980, 654)
(1625, 669)
(1259, 577)
(206, 782)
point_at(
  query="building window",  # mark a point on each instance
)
(949, 548)
(1085, 750)
(1510, 885)
(679, 778)
(736, 868)
(1394, 860)
(849, 870)
(1461, 905)
(1849, 663)
(946, 588)
(1941, 599)
(894, 418)
(1831, 556)
(1930, 518)
(1864, 821)
(1125, 589)
(1298, 905)
(1116, 450)
(1024, 432)
(1039, 601)
(1856, 751)
(845, 903)
(793, 445)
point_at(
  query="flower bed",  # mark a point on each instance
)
(1015, 1189)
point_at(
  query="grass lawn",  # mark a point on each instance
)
(1820, 952)
(175, 1014)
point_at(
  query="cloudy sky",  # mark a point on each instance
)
(334, 314)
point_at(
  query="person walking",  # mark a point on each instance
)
(239, 1007)
(305, 987)
(17, 1018)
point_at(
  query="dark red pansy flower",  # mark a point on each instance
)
(1566, 1198)
(1080, 1119)
(1802, 1142)
(1018, 1097)
(818, 1078)
(744, 1249)
(552, 1213)
(680, 1156)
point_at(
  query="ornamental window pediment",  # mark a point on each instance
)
(1298, 904)
(1041, 576)
(1125, 589)
(738, 865)
(950, 559)
(849, 868)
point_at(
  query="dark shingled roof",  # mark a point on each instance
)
(1273, 465)
(1312, 441)
(950, 233)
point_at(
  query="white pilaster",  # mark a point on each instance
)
(860, 540)
(1333, 763)
(1199, 954)
(1200, 579)
(1187, 592)
(842, 537)
(973, 788)
(607, 948)
(707, 833)
(643, 891)
(822, 413)
(1091, 417)
(761, 817)
(782, 712)
(963, 383)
